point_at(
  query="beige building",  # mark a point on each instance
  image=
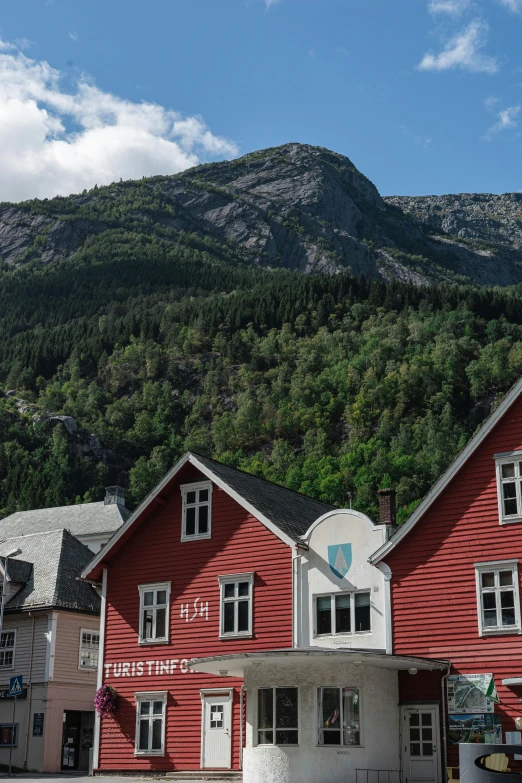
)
(50, 634)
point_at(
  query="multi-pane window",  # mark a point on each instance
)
(150, 723)
(277, 716)
(509, 484)
(7, 649)
(154, 612)
(342, 613)
(420, 733)
(89, 649)
(236, 604)
(338, 716)
(497, 594)
(196, 511)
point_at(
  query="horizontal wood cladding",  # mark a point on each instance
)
(155, 553)
(433, 583)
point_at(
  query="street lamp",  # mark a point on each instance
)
(12, 553)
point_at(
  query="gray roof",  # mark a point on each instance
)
(81, 520)
(290, 511)
(57, 559)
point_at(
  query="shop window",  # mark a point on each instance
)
(150, 723)
(7, 649)
(509, 487)
(7, 736)
(196, 510)
(89, 649)
(342, 613)
(277, 716)
(154, 613)
(236, 605)
(498, 602)
(338, 716)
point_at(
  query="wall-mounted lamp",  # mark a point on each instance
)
(518, 723)
(223, 672)
(413, 670)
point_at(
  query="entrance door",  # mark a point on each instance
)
(217, 729)
(71, 739)
(420, 744)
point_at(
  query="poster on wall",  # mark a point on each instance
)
(482, 728)
(471, 693)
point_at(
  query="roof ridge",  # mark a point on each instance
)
(260, 478)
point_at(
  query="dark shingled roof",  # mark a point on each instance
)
(290, 511)
(81, 520)
(56, 559)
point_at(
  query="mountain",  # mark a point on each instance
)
(146, 318)
(295, 207)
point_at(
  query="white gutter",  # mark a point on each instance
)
(99, 677)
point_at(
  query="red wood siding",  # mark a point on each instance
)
(239, 544)
(433, 584)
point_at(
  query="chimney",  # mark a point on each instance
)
(387, 515)
(114, 496)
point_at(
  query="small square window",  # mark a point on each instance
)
(196, 510)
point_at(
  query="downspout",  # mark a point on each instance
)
(99, 677)
(444, 723)
(241, 692)
(26, 750)
(386, 572)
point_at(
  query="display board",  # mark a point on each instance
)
(471, 693)
(482, 728)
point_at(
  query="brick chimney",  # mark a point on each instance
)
(387, 515)
(114, 496)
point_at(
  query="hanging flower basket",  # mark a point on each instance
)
(106, 700)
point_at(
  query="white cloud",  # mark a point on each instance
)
(512, 5)
(74, 37)
(270, 3)
(453, 7)
(506, 118)
(58, 142)
(463, 51)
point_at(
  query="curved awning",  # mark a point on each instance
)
(234, 665)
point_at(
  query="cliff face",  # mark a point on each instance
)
(295, 206)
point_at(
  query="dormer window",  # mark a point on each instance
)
(196, 510)
(509, 486)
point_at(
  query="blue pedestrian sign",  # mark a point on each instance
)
(16, 685)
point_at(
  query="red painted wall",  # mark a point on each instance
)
(155, 553)
(433, 584)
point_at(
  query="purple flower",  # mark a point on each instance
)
(106, 700)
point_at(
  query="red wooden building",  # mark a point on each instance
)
(202, 568)
(455, 585)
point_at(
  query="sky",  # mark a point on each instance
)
(424, 96)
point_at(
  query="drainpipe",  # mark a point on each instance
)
(444, 723)
(241, 692)
(26, 750)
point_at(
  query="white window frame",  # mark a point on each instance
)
(498, 565)
(195, 487)
(140, 697)
(91, 631)
(504, 459)
(273, 729)
(142, 589)
(332, 596)
(318, 729)
(226, 580)
(13, 648)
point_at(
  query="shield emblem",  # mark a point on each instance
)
(340, 559)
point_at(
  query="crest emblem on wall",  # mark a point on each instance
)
(340, 559)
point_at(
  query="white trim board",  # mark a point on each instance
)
(440, 485)
(188, 457)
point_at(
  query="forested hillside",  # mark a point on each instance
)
(130, 333)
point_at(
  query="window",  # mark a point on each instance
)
(154, 613)
(338, 716)
(89, 649)
(509, 487)
(7, 649)
(497, 597)
(150, 723)
(236, 604)
(196, 511)
(342, 613)
(277, 716)
(7, 736)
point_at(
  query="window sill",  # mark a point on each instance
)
(87, 668)
(510, 520)
(149, 753)
(501, 632)
(195, 538)
(341, 747)
(152, 642)
(348, 634)
(225, 636)
(271, 745)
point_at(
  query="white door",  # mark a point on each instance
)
(216, 752)
(420, 744)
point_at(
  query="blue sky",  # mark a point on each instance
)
(424, 96)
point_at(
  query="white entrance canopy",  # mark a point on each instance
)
(235, 665)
